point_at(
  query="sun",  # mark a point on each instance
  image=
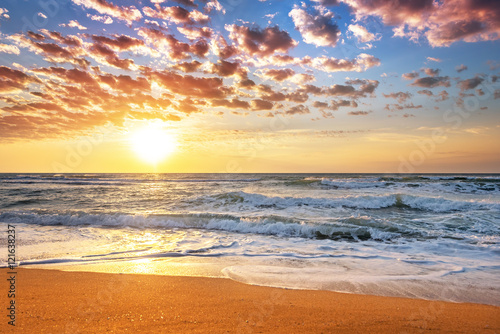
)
(152, 143)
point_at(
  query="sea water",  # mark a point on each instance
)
(423, 236)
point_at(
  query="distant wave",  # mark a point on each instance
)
(101, 180)
(459, 184)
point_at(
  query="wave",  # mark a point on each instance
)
(453, 184)
(361, 228)
(102, 180)
(400, 201)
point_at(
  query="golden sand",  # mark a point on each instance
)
(52, 301)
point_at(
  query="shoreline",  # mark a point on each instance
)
(88, 302)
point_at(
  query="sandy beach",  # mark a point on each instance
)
(52, 301)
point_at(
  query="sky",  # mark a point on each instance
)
(227, 86)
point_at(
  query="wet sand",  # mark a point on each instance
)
(52, 301)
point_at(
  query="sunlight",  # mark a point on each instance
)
(152, 143)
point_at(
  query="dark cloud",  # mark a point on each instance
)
(188, 66)
(177, 15)
(226, 68)
(259, 104)
(470, 83)
(298, 110)
(119, 42)
(278, 74)
(430, 82)
(261, 42)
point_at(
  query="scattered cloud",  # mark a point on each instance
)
(359, 64)
(437, 60)
(73, 24)
(461, 68)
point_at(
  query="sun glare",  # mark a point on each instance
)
(152, 143)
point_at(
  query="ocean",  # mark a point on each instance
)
(431, 236)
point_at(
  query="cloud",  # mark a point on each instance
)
(187, 3)
(6, 48)
(470, 83)
(335, 105)
(104, 19)
(400, 96)
(298, 110)
(233, 104)
(431, 72)
(359, 113)
(362, 34)
(366, 87)
(461, 68)
(168, 43)
(226, 68)
(410, 76)
(317, 28)
(259, 104)
(399, 107)
(222, 49)
(176, 15)
(73, 101)
(442, 23)
(188, 66)
(187, 85)
(261, 42)
(3, 13)
(431, 82)
(359, 64)
(327, 2)
(214, 5)
(53, 52)
(128, 14)
(278, 74)
(443, 95)
(104, 55)
(425, 92)
(194, 33)
(14, 80)
(73, 24)
(437, 60)
(301, 78)
(119, 42)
